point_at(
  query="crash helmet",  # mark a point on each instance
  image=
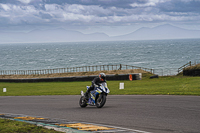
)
(102, 76)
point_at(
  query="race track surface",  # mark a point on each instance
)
(150, 113)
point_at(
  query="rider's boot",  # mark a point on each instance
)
(87, 95)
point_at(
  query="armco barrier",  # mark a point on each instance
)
(195, 72)
(71, 79)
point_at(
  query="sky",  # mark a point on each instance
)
(113, 17)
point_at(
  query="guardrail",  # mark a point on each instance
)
(188, 64)
(166, 72)
(73, 69)
(184, 66)
(196, 62)
(70, 79)
(160, 72)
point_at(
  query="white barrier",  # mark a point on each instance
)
(4, 89)
(121, 85)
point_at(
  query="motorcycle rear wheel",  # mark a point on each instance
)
(100, 100)
(82, 102)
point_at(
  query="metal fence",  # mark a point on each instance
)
(73, 69)
(180, 69)
(160, 72)
(166, 72)
(196, 62)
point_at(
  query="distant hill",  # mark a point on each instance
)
(55, 35)
(160, 32)
(61, 35)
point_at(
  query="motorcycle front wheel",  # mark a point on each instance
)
(100, 100)
(82, 102)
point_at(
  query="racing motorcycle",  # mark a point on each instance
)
(97, 97)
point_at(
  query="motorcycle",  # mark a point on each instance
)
(97, 97)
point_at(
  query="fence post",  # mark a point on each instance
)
(120, 67)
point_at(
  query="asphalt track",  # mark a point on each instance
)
(150, 113)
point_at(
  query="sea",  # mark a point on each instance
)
(152, 54)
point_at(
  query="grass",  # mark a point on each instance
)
(163, 86)
(10, 126)
(170, 85)
(194, 67)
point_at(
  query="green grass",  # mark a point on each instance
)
(173, 85)
(10, 126)
(194, 67)
(162, 86)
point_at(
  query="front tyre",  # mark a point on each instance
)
(100, 100)
(82, 102)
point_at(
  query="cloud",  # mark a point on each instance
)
(25, 1)
(149, 3)
(180, 6)
(97, 12)
(5, 7)
(30, 1)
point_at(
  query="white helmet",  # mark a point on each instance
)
(102, 76)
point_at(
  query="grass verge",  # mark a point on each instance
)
(10, 126)
(170, 85)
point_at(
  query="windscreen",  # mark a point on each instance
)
(104, 84)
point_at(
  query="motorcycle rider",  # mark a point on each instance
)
(95, 83)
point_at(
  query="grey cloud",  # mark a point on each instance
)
(101, 3)
(45, 15)
(9, 2)
(180, 6)
(97, 12)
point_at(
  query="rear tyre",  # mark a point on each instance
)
(100, 100)
(82, 102)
